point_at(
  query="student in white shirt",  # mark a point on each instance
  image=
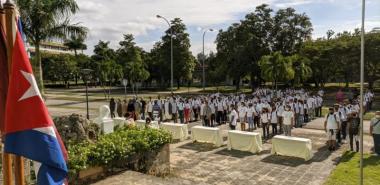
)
(331, 127)
(242, 115)
(288, 120)
(250, 114)
(234, 117)
(274, 120)
(265, 120)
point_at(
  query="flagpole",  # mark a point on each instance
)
(11, 30)
(7, 158)
(362, 92)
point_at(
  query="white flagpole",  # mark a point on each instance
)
(361, 92)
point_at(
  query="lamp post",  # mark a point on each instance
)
(171, 51)
(86, 72)
(361, 92)
(203, 59)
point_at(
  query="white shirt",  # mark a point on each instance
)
(288, 117)
(150, 107)
(242, 111)
(251, 111)
(331, 121)
(273, 118)
(265, 117)
(234, 115)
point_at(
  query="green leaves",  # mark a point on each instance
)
(114, 148)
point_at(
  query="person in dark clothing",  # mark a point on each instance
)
(112, 107)
(131, 108)
(119, 108)
(353, 131)
(143, 108)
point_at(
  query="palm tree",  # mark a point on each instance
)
(301, 67)
(276, 67)
(47, 19)
(76, 43)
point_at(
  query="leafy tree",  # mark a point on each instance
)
(76, 43)
(64, 63)
(276, 68)
(43, 20)
(301, 68)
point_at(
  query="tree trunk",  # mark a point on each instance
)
(38, 68)
(178, 84)
(237, 84)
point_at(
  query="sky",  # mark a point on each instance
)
(108, 20)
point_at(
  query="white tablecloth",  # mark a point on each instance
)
(141, 124)
(292, 146)
(119, 121)
(245, 141)
(207, 134)
(178, 131)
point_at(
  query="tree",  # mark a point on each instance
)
(301, 68)
(276, 68)
(76, 43)
(47, 19)
(290, 31)
(183, 59)
(63, 63)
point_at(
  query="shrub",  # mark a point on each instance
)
(116, 148)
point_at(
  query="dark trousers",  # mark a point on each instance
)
(207, 122)
(233, 127)
(351, 136)
(339, 136)
(376, 141)
(174, 117)
(212, 120)
(224, 116)
(219, 117)
(274, 129)
(266, 130)
(306, 118)
(344, 129)
(150, 114)
(180, 112)
(256, 121)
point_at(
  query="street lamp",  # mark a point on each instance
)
(203, 60)
(171, 51)
(86, 73)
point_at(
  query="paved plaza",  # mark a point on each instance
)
(197, 163)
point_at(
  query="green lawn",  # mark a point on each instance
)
(347, 172)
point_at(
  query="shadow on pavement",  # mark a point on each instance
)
(285, 160)
(234, 153)
(199, 147)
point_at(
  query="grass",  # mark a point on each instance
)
(347, 172)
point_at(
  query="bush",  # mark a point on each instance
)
(115, 149)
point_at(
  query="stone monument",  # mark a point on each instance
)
(104, 120)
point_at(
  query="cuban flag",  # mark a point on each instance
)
(29, 130)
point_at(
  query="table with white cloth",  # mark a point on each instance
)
(119, 121)
(244, 141)
(292, 146)
(141, 124)
(207, 134)
(178, 131)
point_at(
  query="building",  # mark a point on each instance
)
(50, 47)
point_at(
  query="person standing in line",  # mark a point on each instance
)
(219, 114)
(338, 132)
(201, 112)
(125, 108)
(119, 108)
(265, 120)
(207, 114)
(343, 111)
(149, 108)
(256, 118)
(353, 130)
(375, 132)
(242, 115)
(234, 117)
(250, 113)
(187, 112)
(138, 106)
(274, 120)
(288, 121)
(174, 109)
(280, 110)
(112, 107)
(213, 114)
(331, 126)
(181, 108)
(143, 108)
(302, 113)
(156, 111)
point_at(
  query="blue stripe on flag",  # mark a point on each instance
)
(42, 148)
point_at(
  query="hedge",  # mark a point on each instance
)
(113, 149)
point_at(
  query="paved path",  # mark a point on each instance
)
(196, 163)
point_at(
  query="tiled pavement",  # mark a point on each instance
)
(196, 163)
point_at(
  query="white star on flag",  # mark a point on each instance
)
(33, 89)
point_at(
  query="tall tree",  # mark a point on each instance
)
(47, 19)
(276, 68)
(75, 43)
